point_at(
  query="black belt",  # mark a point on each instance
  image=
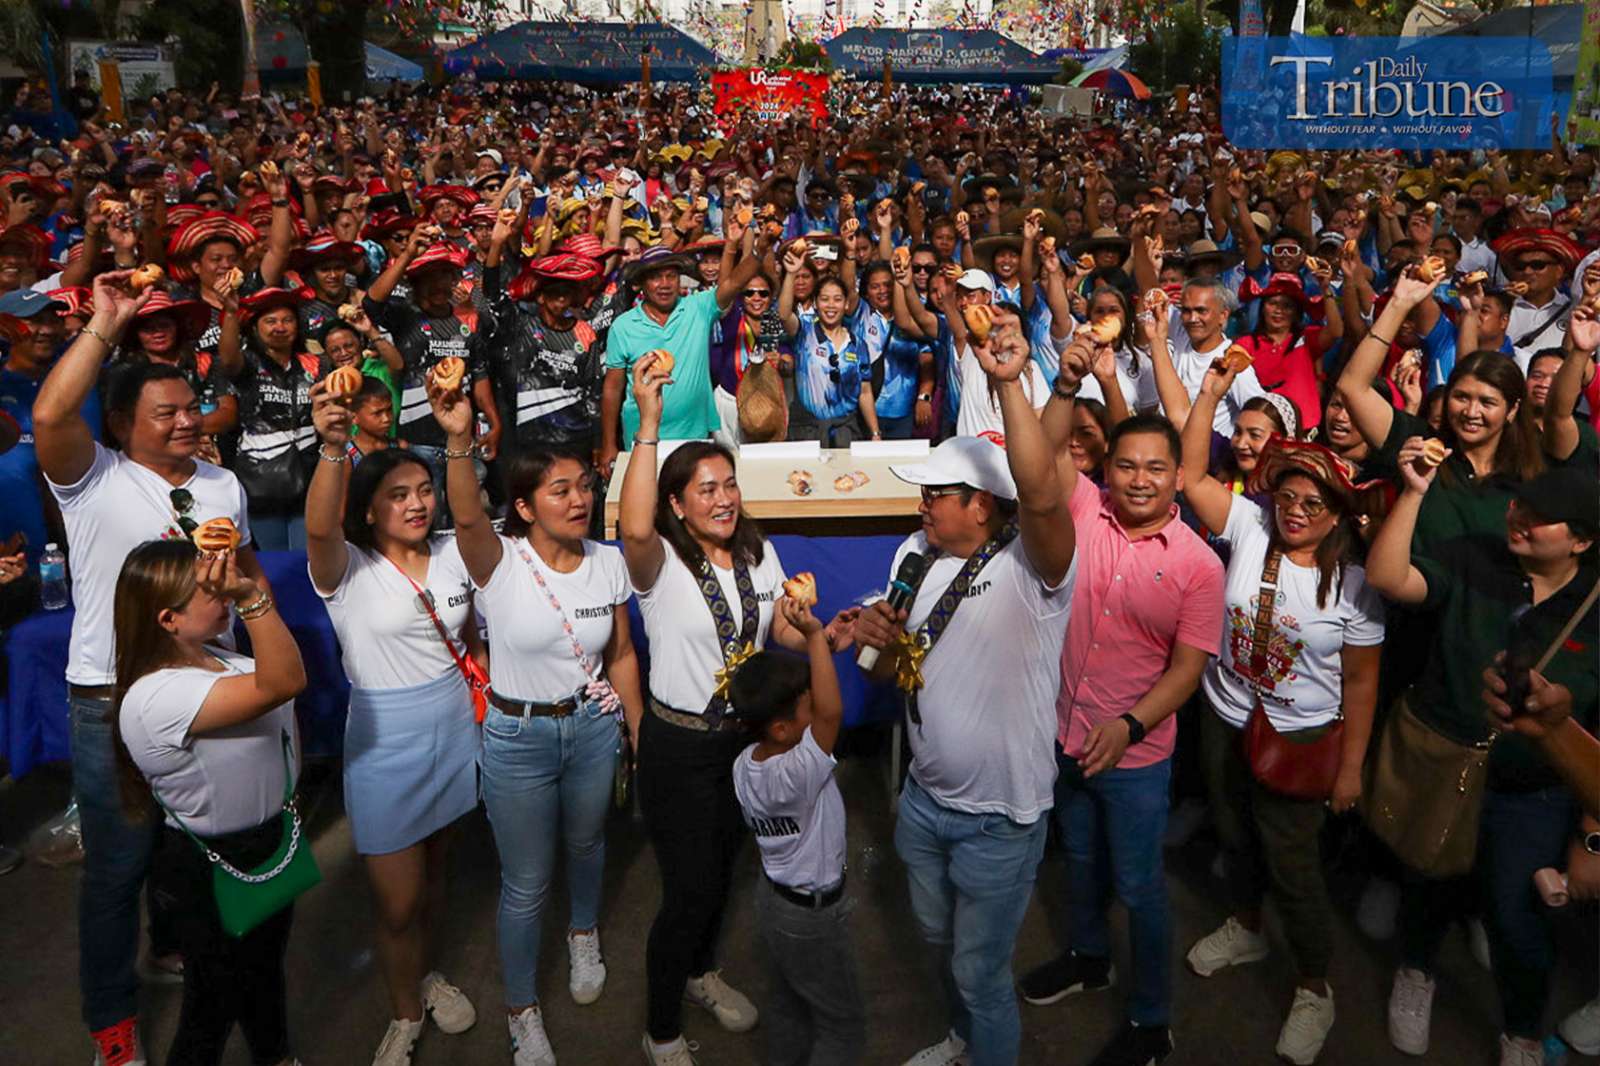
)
(529, 709)
(698, 722)
(92, 692)
(810, 900)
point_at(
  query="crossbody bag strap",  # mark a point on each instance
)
(426, 600)
(218, 860)
(950, 601)
(1566, 630)
(1533, 334)
(1266, 606)
(590, 667)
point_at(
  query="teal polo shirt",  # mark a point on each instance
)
(688, 410)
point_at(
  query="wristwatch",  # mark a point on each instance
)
(1136, 729)
(924, 397)
(1591, 841)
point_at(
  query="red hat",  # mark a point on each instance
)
(178, 214)
(566, 267)
(1279, 284)
(1282, 456)
(377, 187)
(334, 183)
(459, 193)
(77, 299)
(321, 248)
(586, 245)
(705, 244)
(191, 316)
(435, 257)
(196, 234)
(263, 300)
(1531, 239)
(388, 223)
(34, 242)
(482, 212)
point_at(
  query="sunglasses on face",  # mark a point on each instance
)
(1288, 500)
(929, 493)
(1536, 264)
(923, 268)
(758, 294)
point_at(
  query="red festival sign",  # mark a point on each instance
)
(771, 95)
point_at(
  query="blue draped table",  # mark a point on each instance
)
(33, 715)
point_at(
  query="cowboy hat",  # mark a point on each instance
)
(462, 195)
(1104, 237)
(586, 245)
(1279, 284)
(563, 267)
(196, 234)
(437, 257)
(388, 223)
(1053, 224)
(1202, 250)
(1532, 239)
(191, 316)
(33, 241)
(322, 248)
(261, 301)
(655, 260)
(984, 248)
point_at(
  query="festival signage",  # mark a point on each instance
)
(1387, 92)
(771, 95)
(146, 69)
(1586, 82)
(926, 56)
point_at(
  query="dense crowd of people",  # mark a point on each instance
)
(1301, 444)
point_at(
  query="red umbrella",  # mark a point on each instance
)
(1113, 81)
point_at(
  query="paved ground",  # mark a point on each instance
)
(338, 1013)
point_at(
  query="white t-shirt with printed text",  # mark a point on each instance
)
(793, 806)
(1302, 686)
(685, 652)
(986, 744)
(385, 634)
(530, 655)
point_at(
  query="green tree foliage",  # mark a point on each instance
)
(1183, 47)
(806, 55)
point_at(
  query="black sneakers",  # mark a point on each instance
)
(1136, 1045)
(1064, 976)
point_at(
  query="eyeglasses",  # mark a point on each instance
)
(929, 493)
(183, 503)
(762, 294)
(1286, 249)
(1288, 499)
(1536, 264)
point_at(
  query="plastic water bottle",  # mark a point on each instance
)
(53, 578)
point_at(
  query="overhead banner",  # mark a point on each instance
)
(584, 52)
(932, 56)
(1586, 82)
(146, 68)
(1387, 92)
(771, 95)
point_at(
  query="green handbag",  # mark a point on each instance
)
(246, 898)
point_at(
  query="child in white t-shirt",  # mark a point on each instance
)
(785, 786)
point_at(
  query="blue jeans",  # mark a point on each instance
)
(279, 532)
(971, 876)
(543, 777)
(116, 858)
(1111, 827)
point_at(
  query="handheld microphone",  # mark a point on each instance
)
(902, 593)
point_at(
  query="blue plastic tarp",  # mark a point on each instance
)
(281, 52)
(384, 65)
(582, 52)
(927, 56)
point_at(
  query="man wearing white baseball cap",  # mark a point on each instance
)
(1000, 544)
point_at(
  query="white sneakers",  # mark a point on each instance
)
(529, 1044)
(732, 1009)
(1581, 1028)
(1231, 945)
(951, 1051)
(1520, 1051)
(398, 1043)
(1410, 1011)
(588, 977)
(451, 1009)
(1306, 1029)
(678, 1053)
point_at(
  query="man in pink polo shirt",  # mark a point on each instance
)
(1146, 616)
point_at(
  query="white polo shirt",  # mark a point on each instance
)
(1192, 366)
(1550, 322)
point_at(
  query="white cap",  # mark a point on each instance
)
(976, 279)
(970, 461)
(493, 153)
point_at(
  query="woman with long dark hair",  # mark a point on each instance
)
(832, 372)
(563, 676)
(401, 603)
(209, 736)
(1316, 665)
(707, 581)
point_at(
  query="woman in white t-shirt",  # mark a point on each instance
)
(979, 413)
(707, 580)
(401, 604)
(563, 673)
(1316, 665)
(210, 734)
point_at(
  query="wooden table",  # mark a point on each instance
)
(885, 504)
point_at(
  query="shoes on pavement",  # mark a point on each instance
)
(451, 1009)
(678, 1053)
(398, 1043)
(1066, 975)
(118, 1045)
(732, 1008)
(10, 859)
(588, 977)
(1520, 1051)
(1136, 1045)
(1230, 945)
(1581, 1028)
(1305, 1030)
(951, 1051)
(1410, 1011)
(529, 1044)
